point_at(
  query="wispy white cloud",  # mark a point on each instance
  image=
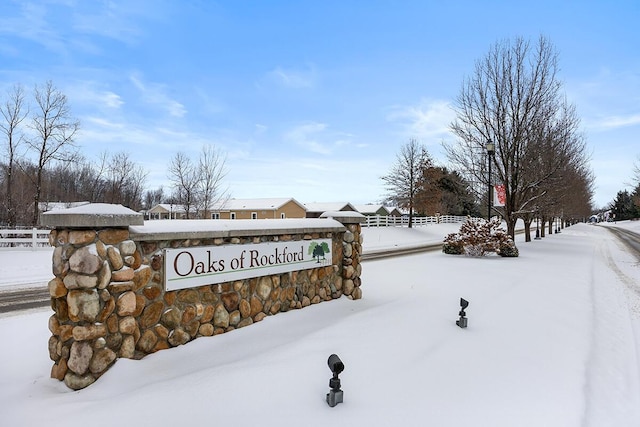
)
(426, 120)
(93, 94)
(109, 19)
(607, 100)
(155, 94)
(614, 122)
(294, 78)
(38, 22)
(309, 136)
(31, 23)
(94, 123)
(152, 142)
(208, 104)
(112, 100)
(318, 138)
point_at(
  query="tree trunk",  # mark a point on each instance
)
(511, 226)
(36, 197)
(527, 230)
(543, 221)
(11, 210)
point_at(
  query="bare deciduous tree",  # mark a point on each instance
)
(403, 180)
(119, 171)
(514, 100)
(125, 180)
(198, 186)
(184, 176)
(54, 130)
(13, 113)
(211, 173)
(153, 197)
(555, 152)
(636, 172)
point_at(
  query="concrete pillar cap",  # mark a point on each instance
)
(92, 215)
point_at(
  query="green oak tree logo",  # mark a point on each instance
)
(318, 250)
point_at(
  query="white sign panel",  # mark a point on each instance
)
(207, 265)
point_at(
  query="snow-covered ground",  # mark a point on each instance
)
(26, 267)
(552, 341)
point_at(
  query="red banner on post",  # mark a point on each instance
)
(499, 195)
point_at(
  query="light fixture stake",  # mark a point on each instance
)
(462, 322)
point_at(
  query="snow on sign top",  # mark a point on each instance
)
(92, 215)
(354, 216)
(212, 228)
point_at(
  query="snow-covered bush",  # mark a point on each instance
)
(506, 245)
(453, 244)
(508, 250)
(478, 237)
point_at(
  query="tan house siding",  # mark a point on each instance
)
(290, 208)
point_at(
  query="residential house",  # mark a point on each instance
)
(166, 211)
(266, 208)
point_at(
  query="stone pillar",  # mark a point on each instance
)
(96, 268)
(351, 251)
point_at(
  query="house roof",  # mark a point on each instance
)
(394, 210)
(256, 204)
(371, 209)
(329, 206)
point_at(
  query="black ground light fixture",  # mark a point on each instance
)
(335, 394)
(462, 322)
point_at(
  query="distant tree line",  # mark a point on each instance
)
(114, 179)
(41, 163)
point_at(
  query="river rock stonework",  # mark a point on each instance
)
(109, 300)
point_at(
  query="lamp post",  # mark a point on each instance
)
(491, 149)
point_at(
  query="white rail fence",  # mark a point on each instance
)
(27, 238)
(35, 238)
(397, 221)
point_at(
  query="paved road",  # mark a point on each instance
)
(24, 298)
(387, 253)
(629, 238)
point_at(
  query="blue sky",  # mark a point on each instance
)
(311, 99)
